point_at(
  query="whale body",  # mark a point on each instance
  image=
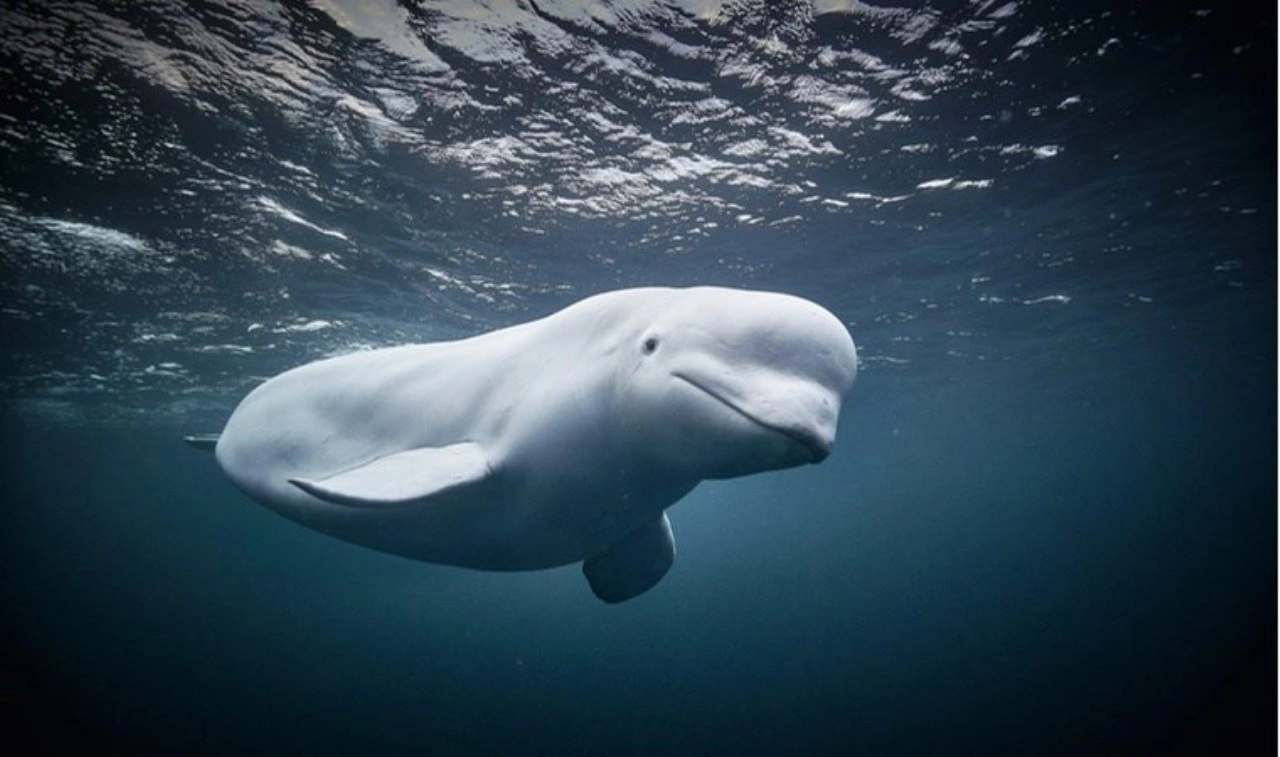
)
(556, 441)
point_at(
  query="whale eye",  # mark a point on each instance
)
(650, 345)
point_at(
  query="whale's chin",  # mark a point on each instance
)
(810, 447)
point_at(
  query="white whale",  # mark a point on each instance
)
(551, 442)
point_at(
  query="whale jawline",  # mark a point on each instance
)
(815, 447)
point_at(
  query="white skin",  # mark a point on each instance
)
(588, 423)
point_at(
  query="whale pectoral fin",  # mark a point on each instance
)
(633, 565)
(403, 477)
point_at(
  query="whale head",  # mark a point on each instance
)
(728, 382)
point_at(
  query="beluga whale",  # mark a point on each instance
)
(556, 441)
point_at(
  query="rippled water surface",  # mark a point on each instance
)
(1049, 523)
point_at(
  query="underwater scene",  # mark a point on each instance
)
(684, 377)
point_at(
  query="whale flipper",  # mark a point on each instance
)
(633, 565)
(403, 477)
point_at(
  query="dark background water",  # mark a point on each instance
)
(1049, 526)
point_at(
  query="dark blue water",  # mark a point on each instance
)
(1049, 524)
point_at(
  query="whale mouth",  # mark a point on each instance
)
(811, 443)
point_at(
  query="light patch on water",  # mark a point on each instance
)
(380, 127)
(100, 235)
(878, 199)
(865, 360)
(1030, 40)
(153, 337)
(855, 8)
(386, 22)
(272, 206)
(704, 111)
(164, 369)
(947, 45)
(1005, 11)
(746, 148)
(306, 327)
(290, 251)
(750, 73)
(688, 166)
(398, 105)
(842, 101)
(597, 14)
(674, 46)
(611, 176)
(492, 31)
(296, 167)
(1038, 151)
(796, 141)
(903, 91)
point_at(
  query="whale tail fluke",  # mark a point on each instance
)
(204, 442)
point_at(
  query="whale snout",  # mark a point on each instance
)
(801, 412)
(816, 445)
